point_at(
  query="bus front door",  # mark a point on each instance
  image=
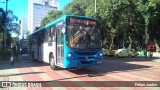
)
(59, 48)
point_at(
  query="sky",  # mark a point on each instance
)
(20, 7)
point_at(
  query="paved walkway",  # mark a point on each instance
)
(113, 69)
(17, 59)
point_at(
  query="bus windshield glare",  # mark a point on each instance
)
(83, 36)
(24, 43)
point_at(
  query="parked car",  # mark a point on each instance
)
(125, 53)
(151, 47)
(112, 52)
(107, 52)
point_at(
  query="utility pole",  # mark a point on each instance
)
(3, 21)
(95, 9)
(4, 32)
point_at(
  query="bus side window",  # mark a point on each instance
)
(46, 35)
(33, 39)
(59, 34)
(36, 40)
(52, 34)
(43, 36)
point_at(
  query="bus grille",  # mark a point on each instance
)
(84, 58)
(81, 58)
(86, 62)
(86, 53)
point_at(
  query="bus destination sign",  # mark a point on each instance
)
(82, 21)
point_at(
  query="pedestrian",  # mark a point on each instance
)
(12, 53)
(11, 59)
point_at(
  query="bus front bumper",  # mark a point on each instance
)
(82, 63)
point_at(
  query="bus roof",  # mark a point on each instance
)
(58, 20)
(22, 40)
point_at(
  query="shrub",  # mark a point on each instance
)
(6, 53)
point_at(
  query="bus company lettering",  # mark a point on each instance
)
(81, 21)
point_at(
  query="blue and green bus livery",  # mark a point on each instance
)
(69, 42)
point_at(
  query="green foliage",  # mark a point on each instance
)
(52, 15)
(5, 54)
(77, 7)
(2, 17)
(9, 24)
(14, 40)
(142, 15)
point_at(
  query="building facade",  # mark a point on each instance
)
(23, 28)
(37, 10)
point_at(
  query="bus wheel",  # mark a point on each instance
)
(52, 62)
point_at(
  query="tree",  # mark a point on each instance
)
(77, 7)
(14, 40)
(150, 10)
(123, 22)
(114, 13)
(9, 25)
(52, 15)
(108, 11)
(2, 17)
(154, 10)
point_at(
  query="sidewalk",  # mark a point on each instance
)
(4, 60)
(17, 59)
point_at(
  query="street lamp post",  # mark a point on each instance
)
(95, 2)
(6, 6)
(4, 32)
(2, 23)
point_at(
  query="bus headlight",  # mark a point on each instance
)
(100, 54)
(69, 55)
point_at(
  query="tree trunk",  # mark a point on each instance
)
(110, 48)
(130, 43)
(157, 47)
(146, 32)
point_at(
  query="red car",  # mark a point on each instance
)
(151, 47)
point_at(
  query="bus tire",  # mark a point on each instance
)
(52, 62)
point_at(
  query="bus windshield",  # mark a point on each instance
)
(24, 43)
(83, 36)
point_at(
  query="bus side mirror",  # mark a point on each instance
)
(63, 30)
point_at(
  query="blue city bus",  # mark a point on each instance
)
(69, 42)
(22, 46)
